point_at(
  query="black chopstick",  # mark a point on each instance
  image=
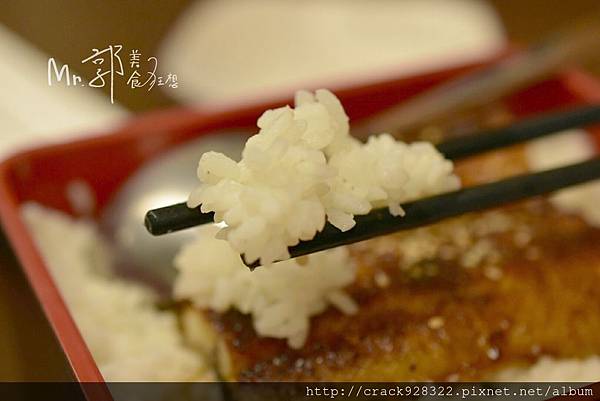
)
(521, 131)
(431, 210)
(178, 217)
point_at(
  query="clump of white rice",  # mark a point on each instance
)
(303, 168)
(128, 337)
(281, 297)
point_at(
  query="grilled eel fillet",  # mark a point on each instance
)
(458, 300)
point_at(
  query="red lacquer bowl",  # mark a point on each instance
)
(104, 162)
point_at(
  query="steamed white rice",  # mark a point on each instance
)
(128, 337)
(281, 298)
(303, 168)
(548, 369)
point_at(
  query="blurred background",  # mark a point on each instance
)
(208, 54)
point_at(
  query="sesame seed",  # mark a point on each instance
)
(435, 323)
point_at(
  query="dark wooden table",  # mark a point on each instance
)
(67, 29)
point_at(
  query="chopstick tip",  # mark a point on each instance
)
(150, 222)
